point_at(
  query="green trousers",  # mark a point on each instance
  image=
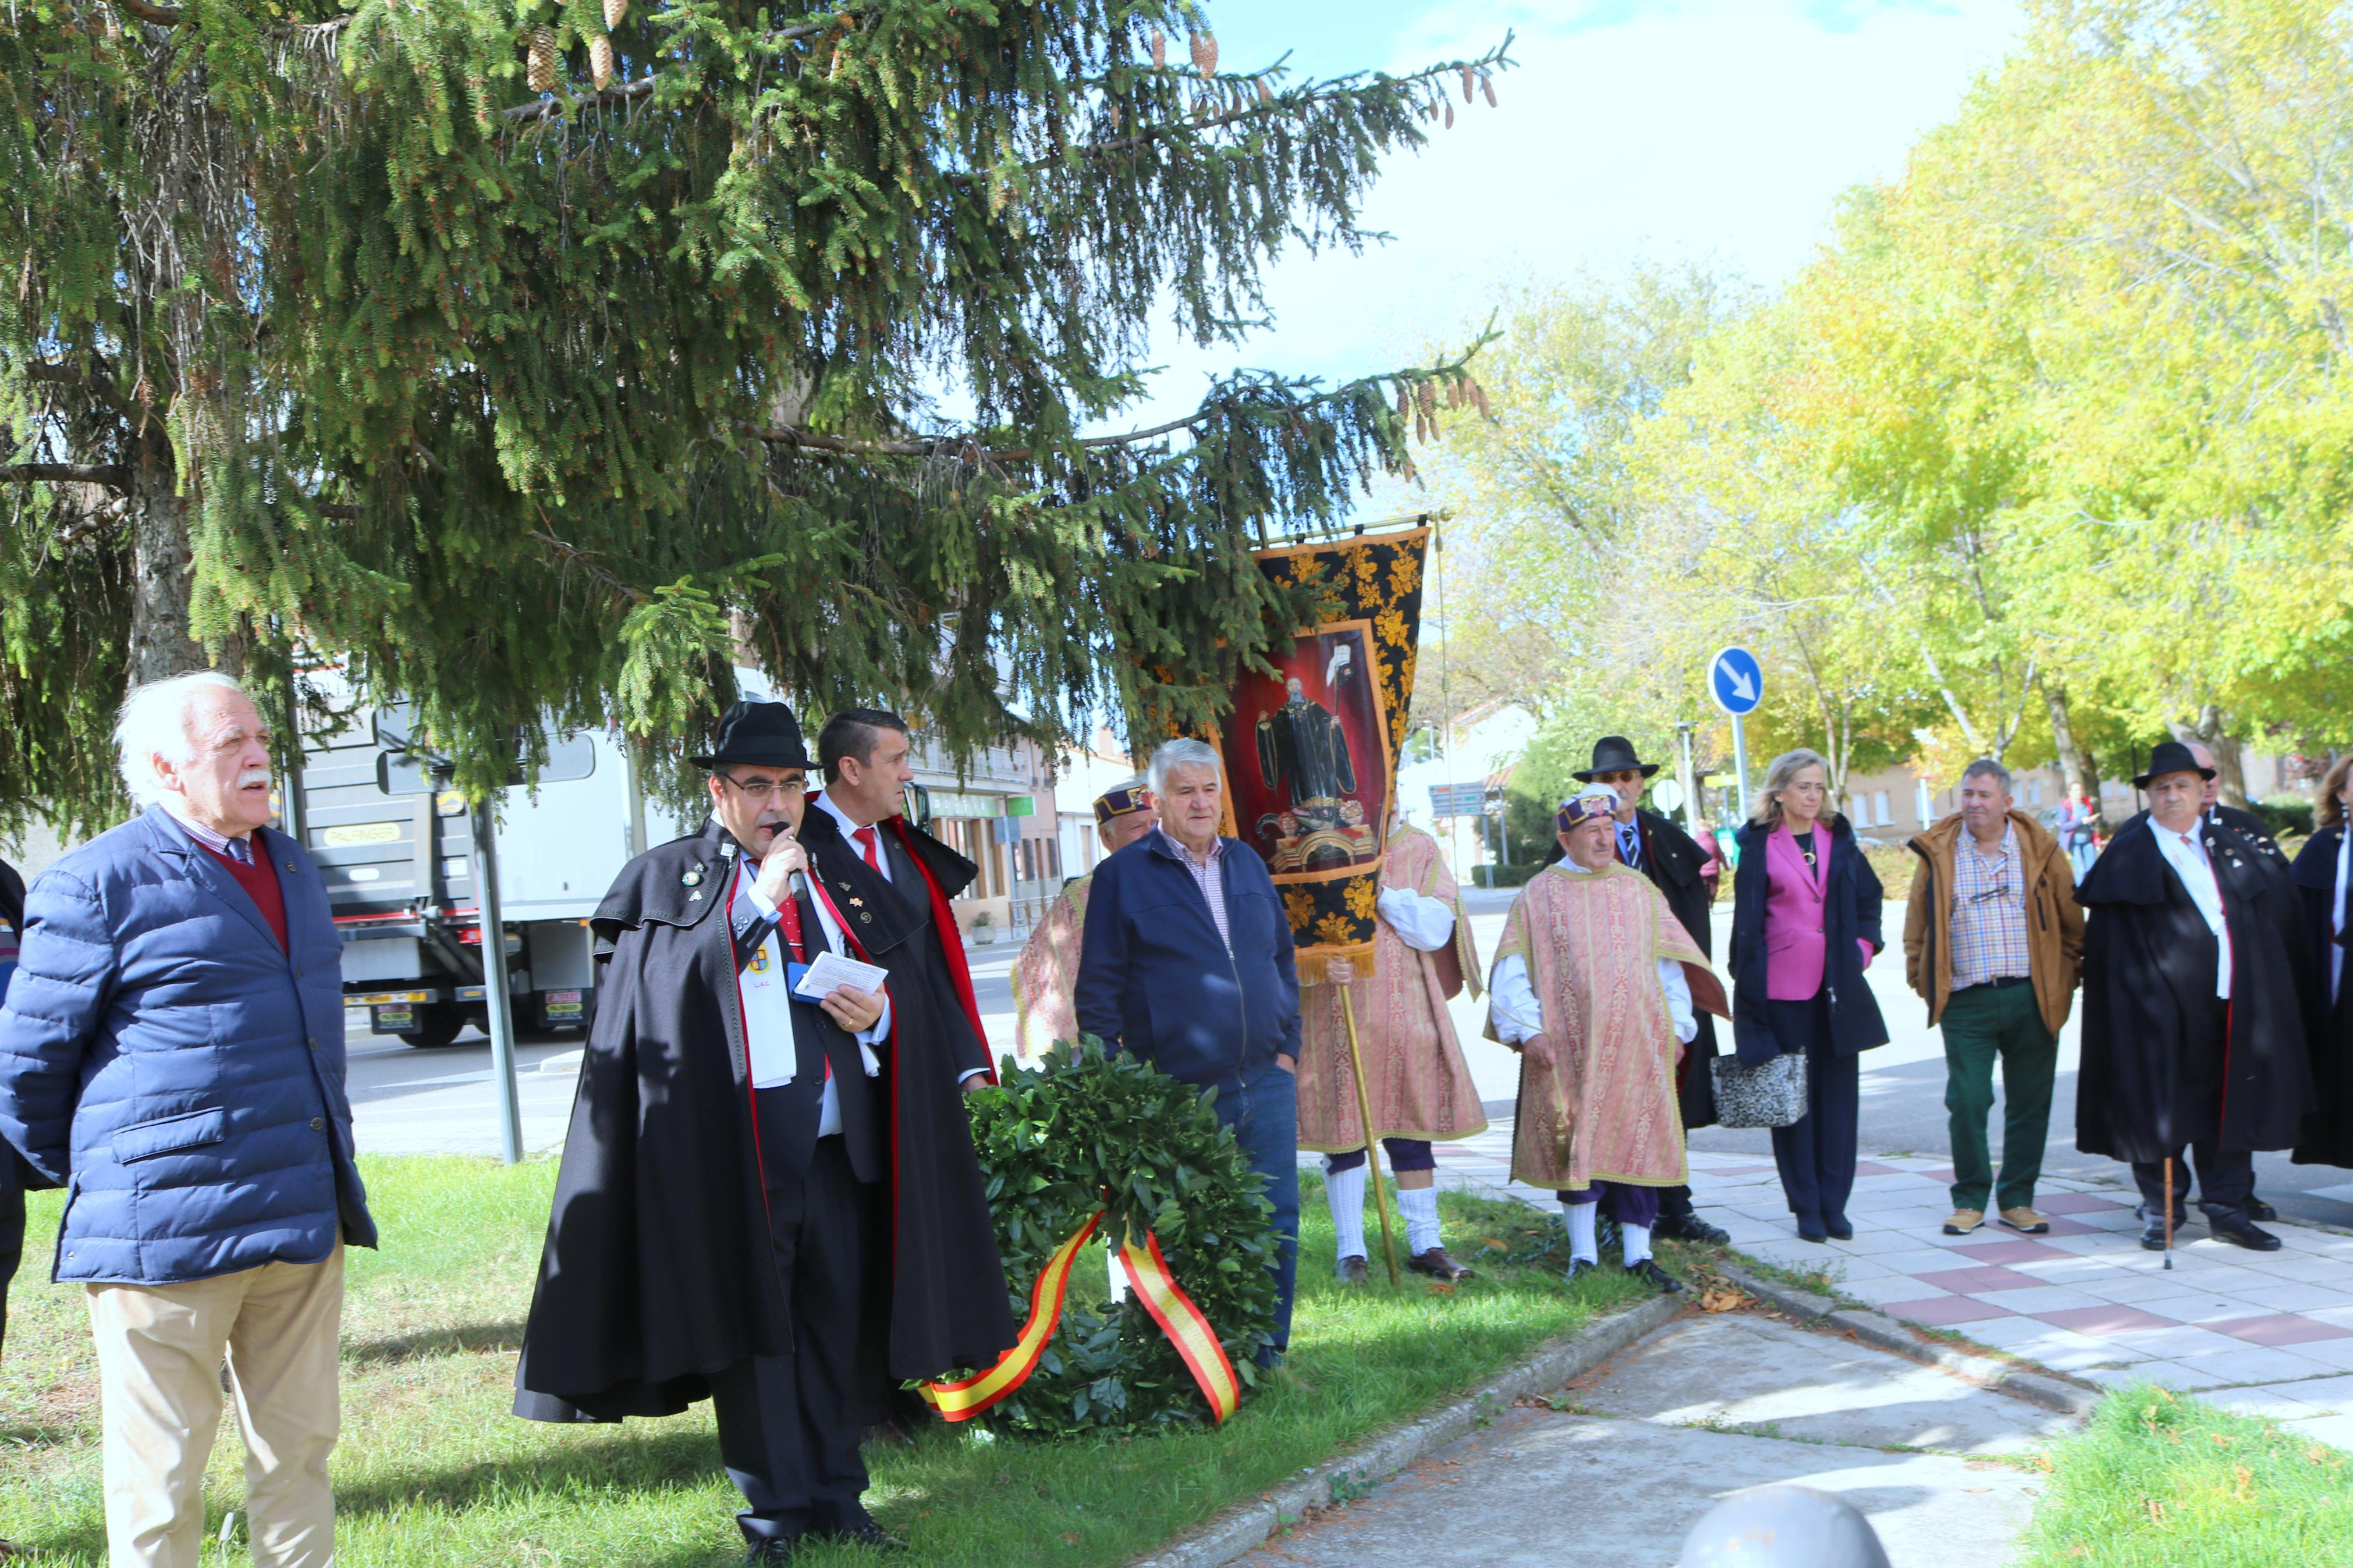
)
(1981, 1023)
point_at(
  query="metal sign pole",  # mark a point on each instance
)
(497, 1003)
(1740, 763)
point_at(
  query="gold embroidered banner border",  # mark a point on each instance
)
(1312, 754)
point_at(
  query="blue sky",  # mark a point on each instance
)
(1719, 128)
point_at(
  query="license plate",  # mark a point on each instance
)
(395, 1020)
(562, 1004)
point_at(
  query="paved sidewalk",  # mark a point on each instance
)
(2266, 1333)
(1613, 1471)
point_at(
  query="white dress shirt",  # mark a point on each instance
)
(749, 898)
(849, 830)
(1519, 1017)
(2187, 857)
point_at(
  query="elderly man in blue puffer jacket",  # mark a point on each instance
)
(172, 1053)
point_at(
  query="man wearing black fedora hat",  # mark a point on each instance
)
(768, 1198)
(1685, 874)
(2193, 1024)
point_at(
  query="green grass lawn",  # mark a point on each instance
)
(2160, 1480)
(433, 1471)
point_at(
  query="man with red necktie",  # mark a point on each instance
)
(768, 1199)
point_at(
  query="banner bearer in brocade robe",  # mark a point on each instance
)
(1594, 985)
(1045, 975)
(1419, 1084)
(1686, 873)
(766, 1200)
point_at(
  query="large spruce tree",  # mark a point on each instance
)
(526, 354)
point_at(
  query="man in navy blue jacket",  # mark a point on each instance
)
(1186, 961)
(172, 1051)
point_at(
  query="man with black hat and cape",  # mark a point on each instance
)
(1685, 873)
(767, 1199)
(2193, 1007)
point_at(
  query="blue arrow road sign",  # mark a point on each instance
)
(1736, 680)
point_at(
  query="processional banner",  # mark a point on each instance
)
(1312, 751)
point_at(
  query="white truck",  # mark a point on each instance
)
(395, 844)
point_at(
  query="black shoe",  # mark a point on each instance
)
(858, 1528)
(1354, 1270)
(775, 1550)
(1691, 1228)
(2152, 1227)
(1578, 1267)
(1651, 1274)
(2259, 1210)
(2240, 1231)
(1840, 1228)
(1811, 1230)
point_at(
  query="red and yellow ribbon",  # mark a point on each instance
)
(1196, 1342)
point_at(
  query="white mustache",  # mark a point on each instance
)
(253, 776)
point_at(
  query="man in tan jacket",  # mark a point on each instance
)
(1994, 941)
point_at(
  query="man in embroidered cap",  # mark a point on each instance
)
(1046, 972)
(2194, 1030)
(1419, 1087)
(769, 1200)
(1593, 986)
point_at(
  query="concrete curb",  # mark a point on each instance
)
(1247, 1525)
(1884, 1332)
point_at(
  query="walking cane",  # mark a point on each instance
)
(2169, 1211)
(1364, 1120)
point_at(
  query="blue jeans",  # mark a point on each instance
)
(1264, 1117)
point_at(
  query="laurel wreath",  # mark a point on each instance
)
(1080, 1130)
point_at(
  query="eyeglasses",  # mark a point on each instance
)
(1806, 789)
(1998, 890)
(767, 789)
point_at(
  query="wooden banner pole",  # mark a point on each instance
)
(1372, 1143)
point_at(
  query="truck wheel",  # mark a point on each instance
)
(436, 1025)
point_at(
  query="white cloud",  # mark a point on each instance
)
(1721, 129)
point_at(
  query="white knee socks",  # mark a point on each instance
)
(1345, 1191)
(1580, 1231)
(1638, 1242)
(1420, 1206)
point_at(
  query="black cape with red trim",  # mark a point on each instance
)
(2145, 963)
(658, 1269)
(2328, 1137)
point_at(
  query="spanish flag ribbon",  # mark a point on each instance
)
(1196, 1342)
(967, 1397)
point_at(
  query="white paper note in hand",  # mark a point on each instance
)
(829, 971)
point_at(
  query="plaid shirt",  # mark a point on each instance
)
(239, 849)
(1989, 913)
(1208, 876)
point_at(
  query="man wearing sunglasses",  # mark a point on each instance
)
(1994, 942)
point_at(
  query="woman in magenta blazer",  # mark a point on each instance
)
(1805, 925)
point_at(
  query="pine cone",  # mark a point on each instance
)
(1205, 53)
(600, 59)
(1466, 84)
(541, 70)
(1159, 50)
(1487, 86)
(615, 10)
(1427, 396)
(1265, 93)
(1405, 400)
(1449, 117)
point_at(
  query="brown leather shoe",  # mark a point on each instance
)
(1438, 1266)
(1963, 1221)
(1355, 1272)
(2026, 1221)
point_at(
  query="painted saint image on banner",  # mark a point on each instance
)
(1311, 753)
